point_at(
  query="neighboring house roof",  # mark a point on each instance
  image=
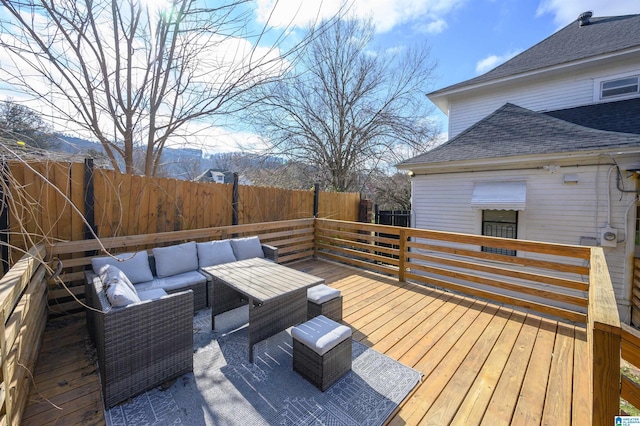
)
(620, 116)
(602, 36)
(209, 176)
(514, 131)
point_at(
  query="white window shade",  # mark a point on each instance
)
(499, 195)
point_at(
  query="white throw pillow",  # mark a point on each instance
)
(247, 248)
(215, 253)
(134, 265)
(176, 259)
(118, 288)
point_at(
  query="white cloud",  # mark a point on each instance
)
(566, 11)
(493, 61)
(385, 14)
(436, 27)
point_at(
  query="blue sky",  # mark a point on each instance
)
(467, 37)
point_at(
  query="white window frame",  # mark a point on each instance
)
(599, 82)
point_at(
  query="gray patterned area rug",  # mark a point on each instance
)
(225, 389)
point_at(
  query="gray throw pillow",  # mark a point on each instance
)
(117, 287)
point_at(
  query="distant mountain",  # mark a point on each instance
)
(179, 163)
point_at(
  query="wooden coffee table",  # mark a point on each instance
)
(277, 295)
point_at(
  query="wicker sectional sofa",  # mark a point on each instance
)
(176, 268)
(141, 306)
(140, 345)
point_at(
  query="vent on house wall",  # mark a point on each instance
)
(585, 18)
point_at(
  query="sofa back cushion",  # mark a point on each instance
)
(247, 248)
(117, 287)
(134, 265)
(176, 259)
(215, 253)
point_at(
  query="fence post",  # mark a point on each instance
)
(234, 201)
(90, 229)
(603, 339)
(316, 198)
(4, 218)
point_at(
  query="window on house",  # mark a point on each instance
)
(619, 87)
(500, 223)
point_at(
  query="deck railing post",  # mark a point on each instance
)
(403, 256)
(603, 338)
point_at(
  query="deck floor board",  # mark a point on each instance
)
(481, 362)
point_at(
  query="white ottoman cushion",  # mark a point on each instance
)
(322, 293)
(321, 334)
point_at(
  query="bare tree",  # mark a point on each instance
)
(392, 192)
(21, 124)
(349, 109)
(135, 77)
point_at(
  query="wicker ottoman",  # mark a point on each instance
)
(321, 351)
(324, 300)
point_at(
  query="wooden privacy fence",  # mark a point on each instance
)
(56, 201)
(23, 302)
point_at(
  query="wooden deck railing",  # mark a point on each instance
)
(571, 282)
(294, 238)
(635, 293)
(630, 349)
(23, 308)
(544, 277)
(603, 338)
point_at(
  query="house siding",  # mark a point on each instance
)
(555, 212)
(540, 94)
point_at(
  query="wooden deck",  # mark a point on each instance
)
(482, 363)
(66, 386)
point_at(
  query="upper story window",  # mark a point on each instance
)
(619, 87)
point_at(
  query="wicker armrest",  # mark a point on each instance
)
(270, 252)
(141, 345)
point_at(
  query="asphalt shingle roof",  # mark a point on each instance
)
(572, 43)
(515, 131)
(620, 116)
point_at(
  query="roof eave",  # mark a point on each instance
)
(441, 97)
(516, 162)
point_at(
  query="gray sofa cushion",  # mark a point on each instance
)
(173, 282)
(151, 294)
(247, 248)
(134, 265)
(176, 259)
(215, 253)
(118, 289)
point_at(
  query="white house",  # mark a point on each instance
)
(545, 147)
